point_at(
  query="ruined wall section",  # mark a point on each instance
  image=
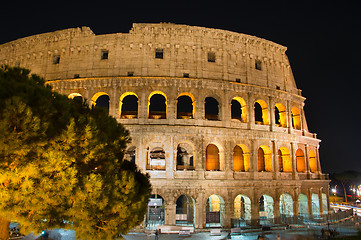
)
(185, 51)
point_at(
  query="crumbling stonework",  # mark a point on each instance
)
(254, 145)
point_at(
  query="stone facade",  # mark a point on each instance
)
(242, 152)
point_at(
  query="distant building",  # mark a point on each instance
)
(215, 117)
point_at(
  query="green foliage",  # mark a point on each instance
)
(61, 163)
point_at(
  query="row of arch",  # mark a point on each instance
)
(157, 108)
(185, 160)
(242, 208)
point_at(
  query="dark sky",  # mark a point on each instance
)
(323, 42)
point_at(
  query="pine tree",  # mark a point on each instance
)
(61, 163)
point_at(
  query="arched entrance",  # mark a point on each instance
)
(155, 214)
(215, 211)
(266, 213)
(185, 211)
(315, 205)
(286, 207)
(302, 205)
(242, 210)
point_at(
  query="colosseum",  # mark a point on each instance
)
(215, 117)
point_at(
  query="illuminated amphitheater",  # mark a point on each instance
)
(215, 117)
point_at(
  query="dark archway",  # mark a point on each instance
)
(211, 109)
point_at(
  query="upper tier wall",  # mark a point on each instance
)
(77, 52)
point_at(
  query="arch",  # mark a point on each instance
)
(215, 211)
(130, 154)
(155, 214)
(185, 210)
(157, 105)
(156, 159)
(261, 112)
(286, 205)
(315, 204)
(100, 99)
(242, 207)
(185, 157)
(212, 158)
(239, 109)
(185, 106)
(241, 158)
(266, 213)
(74, 95)
(296, 118)
(300, 161)
(312, 161)
(264, 159)
(128, 105)
(302, 205)
(284, 160)
(211, 107)
(324, 203)
(280, 115)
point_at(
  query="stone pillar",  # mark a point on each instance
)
(271, 114)
(275, 160)
(253, 158)
(320, 201)
(293, 160)
(276, 207)
(251, 120)
(296, 210)
(318, 160)
(309, 199)
(255, 210)
(228, 213)
(200, 209)
(170, 213)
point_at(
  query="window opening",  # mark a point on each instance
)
(258, 64)
(129, 107)
(211, 109)
(56, 59)
(184, 107)
(211, 57)
(159, 53)
(104, 54)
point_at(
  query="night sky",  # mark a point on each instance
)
(323, 42)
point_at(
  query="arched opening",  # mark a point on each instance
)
(157, 106)
(185, 160)
(101, 100)
(261, 112)
(128, 106)
(155, 214)
(284, 160)
(185, 109)
(239, 109)
(264, 159)
(266, 213)
(296, 118)
(241, 158)
(280, 115)
(312, 161)
(315, 205)
(130, 154)
(211, 109)
(302, 205)
(300, 160)
(286, 207)
(212, 158)
(242, 210)
(156, 159)
(215, 211)
(185, 211)
(324, 203)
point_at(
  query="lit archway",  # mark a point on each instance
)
(266, 213)
(284, 160)
(241, 158)
(156, 159)
(312, 161)
(280, 115)
(300, 160)
(296, 118)
(128, 105)
(185, 211)
(157, 105)
(261, 112)
(215, 210)
(315, 205)
(264, 159)
(242, 209)
(302, 205)
(185, 106)
(239, 109)
(155, 214)
(185, 157)
(100, 99)
(286, 205)
(324, 203)
(212, 158)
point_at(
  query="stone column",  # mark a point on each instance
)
(170, 212)
(275, 160)
(293, 160)
(250, 108)
(255, 210)
(309, 200)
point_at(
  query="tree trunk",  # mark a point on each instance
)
(4, 228)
